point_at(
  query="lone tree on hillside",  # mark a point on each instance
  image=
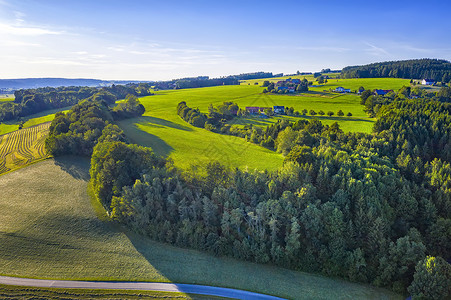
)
(330, 113)
(321, 113)
(349, 114)
(340, 113)
(312, 112)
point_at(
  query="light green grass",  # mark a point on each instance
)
(48, 229)
(167, 134)
(31, 293)
(31, 120)
(6, 97)
(368, 83)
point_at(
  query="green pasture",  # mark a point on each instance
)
(332, 83)
(31, 120)
(49, 229)
(6, 97)
(167, 134)
(368, 83)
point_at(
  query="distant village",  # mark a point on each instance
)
(290, 85)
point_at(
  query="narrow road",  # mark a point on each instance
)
(142, 286)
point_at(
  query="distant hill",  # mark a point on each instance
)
(436, 69)
(28, 83)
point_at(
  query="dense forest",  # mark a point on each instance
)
(32, 101)
(438, 70)
(373, 208)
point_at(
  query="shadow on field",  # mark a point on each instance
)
(142, 138)
(161, 123)
(76, 166)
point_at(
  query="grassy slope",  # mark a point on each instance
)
(31, 120)
(23, 147)
(163, 130)
(6, 97)
(48, 229)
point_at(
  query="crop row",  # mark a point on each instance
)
(22, 147)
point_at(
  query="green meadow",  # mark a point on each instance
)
(50, 229)
(32, 120)
(6, 97)
(167, 134)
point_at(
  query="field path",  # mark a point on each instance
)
(142, 286)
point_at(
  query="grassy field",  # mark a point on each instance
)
(31, 120)
(48, 229)
(28, 293)
(6, 97)
(22, 147)
(163, 130)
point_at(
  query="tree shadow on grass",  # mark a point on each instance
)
(160, 123)
(76, 166)
(142, 138)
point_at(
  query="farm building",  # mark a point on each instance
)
(427, 82)
(341, 89)
(382, 92)
(279, 109)
(253, 109)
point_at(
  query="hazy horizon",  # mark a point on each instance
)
(154, 40)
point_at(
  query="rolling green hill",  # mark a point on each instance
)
(163, 130)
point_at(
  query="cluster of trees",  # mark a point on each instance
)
(191, 115)
(89, 121)
(302, 87)
(438, 70)
(373, 103)
(31, 101)
(215, 120)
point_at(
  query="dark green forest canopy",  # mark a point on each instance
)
(365, 207)
(438, 70)
(87, 123)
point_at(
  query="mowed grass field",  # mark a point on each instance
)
(31, 120)
(163, 130)
(22, 147)
(190, 147)
(49, 229)
(6, 97)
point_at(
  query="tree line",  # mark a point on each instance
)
(31, 101)
(436, 69)
(87, 123)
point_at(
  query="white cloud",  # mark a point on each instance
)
(376, 51)
(6, 29)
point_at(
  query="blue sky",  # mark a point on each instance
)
(158, 40)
